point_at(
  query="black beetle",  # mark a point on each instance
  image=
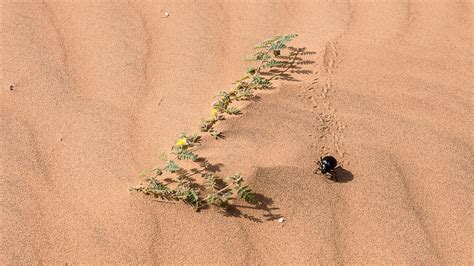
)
(328, 164)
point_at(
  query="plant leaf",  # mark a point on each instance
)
(171, 166)
(233, 110)
(187, 155)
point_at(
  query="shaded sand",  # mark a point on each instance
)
(102, 88)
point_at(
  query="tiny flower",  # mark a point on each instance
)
(214, 112)
(182, 142)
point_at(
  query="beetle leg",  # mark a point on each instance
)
(317, 170)
(318, 163)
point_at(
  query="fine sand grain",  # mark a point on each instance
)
(93, 91)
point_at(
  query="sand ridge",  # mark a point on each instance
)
(103, 87)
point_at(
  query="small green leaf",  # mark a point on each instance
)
(260, 81)
(242, 79)
(171, 166)
(224, 199)
(273, 63)
(236, 178)
(210, 181)
(216, 134)
(211, 199)
(187, 155)
(136, 189)
(158, 171)
(193, 138)
(206, 124)
(143, 173)
(246, 193)
(265, 58)
(193, 197)
(233, 110)
(244, 94)
(251, 70)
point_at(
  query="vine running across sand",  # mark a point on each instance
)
(173, 182)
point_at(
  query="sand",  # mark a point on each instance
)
(101, 88)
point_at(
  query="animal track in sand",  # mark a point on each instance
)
(319, 95)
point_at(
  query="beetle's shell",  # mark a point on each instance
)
(331, 161)
(328, 163)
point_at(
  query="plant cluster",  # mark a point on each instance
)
(266, 56)
(216, 190)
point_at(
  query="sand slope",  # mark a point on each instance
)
(102, 88)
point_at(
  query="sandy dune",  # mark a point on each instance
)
(101, 88)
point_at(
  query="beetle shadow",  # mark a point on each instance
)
(343, 176)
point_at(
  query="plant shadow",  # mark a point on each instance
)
(207, 166)
(293, 64)
(262, 203)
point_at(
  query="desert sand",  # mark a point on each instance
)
(99, 89)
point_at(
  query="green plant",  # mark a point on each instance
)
(216, 190)
(185, 188)
(265, 56)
